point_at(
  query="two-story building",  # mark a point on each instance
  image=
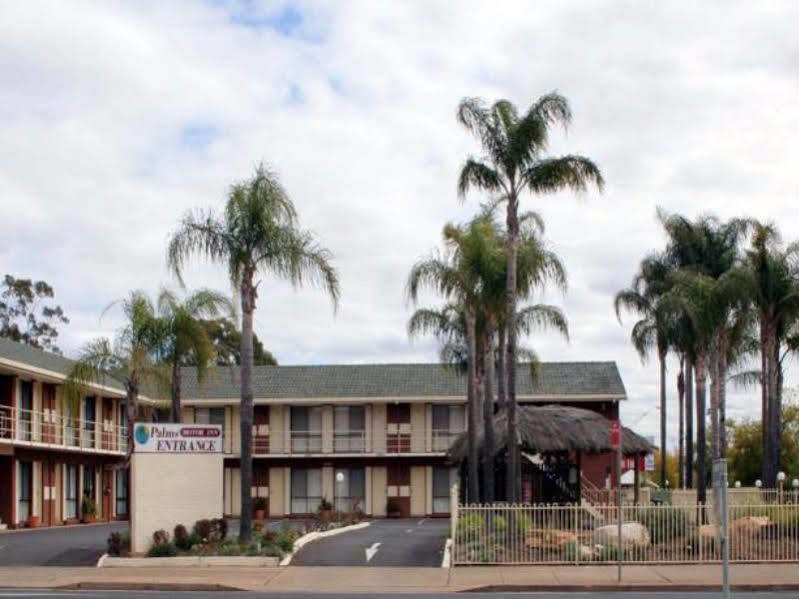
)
(55, 456)
(370, 437)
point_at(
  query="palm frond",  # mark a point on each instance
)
(540, 317)
(573, 172)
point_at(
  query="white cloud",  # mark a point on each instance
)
(118, 117)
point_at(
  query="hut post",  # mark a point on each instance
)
(636, 483)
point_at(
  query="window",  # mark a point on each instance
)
(88, 421)
(71, 491)
(89, 481)
(24, 488)
(306, 429)
(123, 417)
(448, 422)
(349, 489)
(349, 424)
(122, 492)
(306, 490)
(25, 407)
(441, 489)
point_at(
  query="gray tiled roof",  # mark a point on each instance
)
(398, 380)
(37, 358)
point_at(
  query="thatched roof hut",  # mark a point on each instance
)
(556, 428)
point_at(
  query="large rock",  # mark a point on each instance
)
(549, 539)
(748, 525)
(633, 534)
(708, 531)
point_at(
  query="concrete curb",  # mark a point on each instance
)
(101, 561)
(312, 536)
(183, 561)
(632, 588)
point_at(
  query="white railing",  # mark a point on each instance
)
(268, 441)
(574, 534)
(48, 428)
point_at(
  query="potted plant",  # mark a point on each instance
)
(393, 508)
(325, 508)
(33, 522)
(259, 507)
(89, 510)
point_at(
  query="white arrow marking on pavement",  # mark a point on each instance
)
(370, 551)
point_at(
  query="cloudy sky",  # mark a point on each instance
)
(117, 117)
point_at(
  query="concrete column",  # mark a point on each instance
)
(368, 488)
(379, 478)
(379, 428)
(327, 429)
(328, 484)
(418, 428)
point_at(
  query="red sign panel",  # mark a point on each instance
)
(615, 434)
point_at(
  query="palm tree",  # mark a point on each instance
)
(184, 335)
(256, 233)
(770, 274)
(130, 358)
(653, 330)
(514, 161)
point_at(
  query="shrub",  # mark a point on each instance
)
(163, 550)
(89, 506)
(259, 503)
(160, 537)
(285, 541)
(271, 550)
(182, 538)
(664, 523)
(118, 543)
(203, 529)
(325, 505)
(219, 529)
(569, 552)
(229, 547)
(469, 525)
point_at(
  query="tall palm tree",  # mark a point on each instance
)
(184, 335)
(653, 331)
(256, 233)
(770, 274)
(514, 161)
(130, 358)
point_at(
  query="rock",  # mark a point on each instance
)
(549, 539)
(633, 534)
(708, 531)
(748, 525)
(586, 553)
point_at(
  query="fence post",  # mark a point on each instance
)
(453, 518)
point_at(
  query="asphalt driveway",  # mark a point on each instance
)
(59, 546)
(392, 543)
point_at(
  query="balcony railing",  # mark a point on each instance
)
(50, 429)
(391, 440)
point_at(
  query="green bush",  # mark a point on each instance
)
(118, 543)
(664, 523)
(167, 549)
(285, 541)
(469, 525)
(229, 547)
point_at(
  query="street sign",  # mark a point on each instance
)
(615, 434)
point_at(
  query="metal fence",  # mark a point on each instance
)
(588, 534)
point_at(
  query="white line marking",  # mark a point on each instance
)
(409, 530)
(422, 521)
(370, 551)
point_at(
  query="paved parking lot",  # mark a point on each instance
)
(60, 546)
(394, 543)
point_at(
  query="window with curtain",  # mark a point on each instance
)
(448, 422)
(122, 492)
(24, 490)
(89, 481)
(71, 491)
(306, 429)
(25, 407)
(349, 424)
(441, 489)
(349, 488)
(88, 421)
(306, 490)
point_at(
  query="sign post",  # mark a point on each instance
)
(615, 443)
(722, 517)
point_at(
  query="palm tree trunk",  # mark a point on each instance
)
(772, 418)
(248, 295)
(689, 423)
(714, 401)
(765, 421)
(681, 423)
(473, 478)
(501, 379)
(723, 397)
(663, 452)
(701, 449)
(513, 474)
(174, 414)
(777, 411)
(131, 408)
(488, 413)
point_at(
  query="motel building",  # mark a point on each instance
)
(363, 437)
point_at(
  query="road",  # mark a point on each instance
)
(57, 594)
(59, 546)
(395, 543)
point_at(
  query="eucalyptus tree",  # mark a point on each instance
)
(514, 161)
(653, 331)
(184, 338)
(770, 275)
(131, 358)
(255, 234)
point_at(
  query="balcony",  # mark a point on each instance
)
(394, 440)
(49, 429)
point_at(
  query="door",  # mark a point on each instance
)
(260, 429)
(108, 481)
(49, 418)
(399, 490)
(108, 423)
(48, 493)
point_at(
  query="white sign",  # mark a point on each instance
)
(153, 437)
